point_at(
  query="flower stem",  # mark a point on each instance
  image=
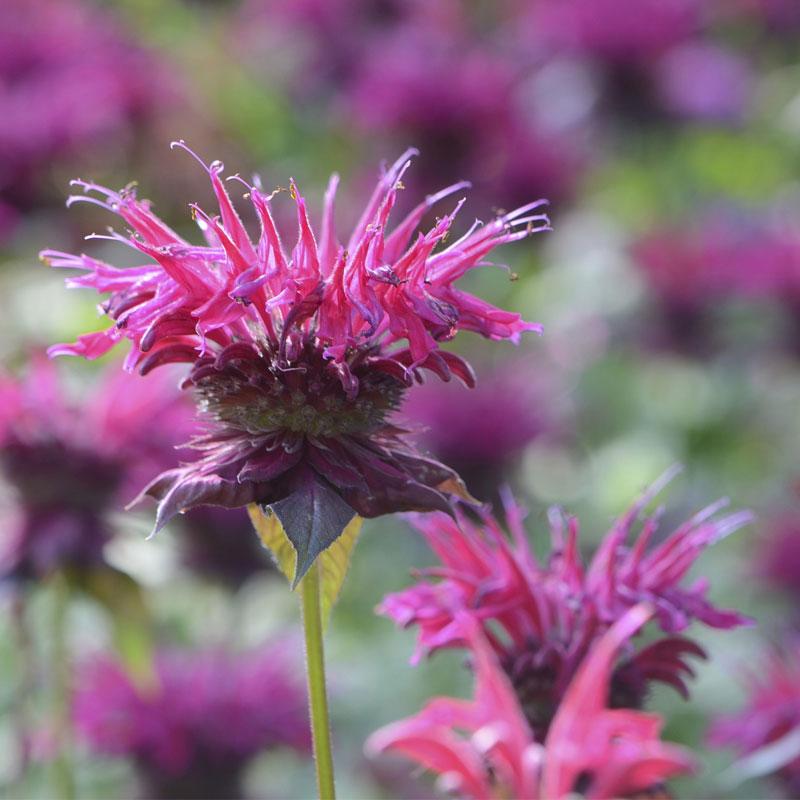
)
(63, 782)
(317, 695)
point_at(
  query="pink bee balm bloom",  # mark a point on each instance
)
(778, 557)
(542, 619)
(766, 732)
(481, 433)
(722, 259)
(482, 126)
(591, 750)
(71, 461)
(299, 355)
(70, 77)
(605, 29)
(210, 714)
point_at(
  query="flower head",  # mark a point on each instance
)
(701, 80)
(72, 460)
(486, 125)
(766, 732)
(54, 56)
(210, 713)
(299, 355)
(721, 259)
(778, 559)
(591, 750)
(542, 619)
(481, 433)
(602, 29)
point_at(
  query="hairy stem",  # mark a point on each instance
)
(317, 694)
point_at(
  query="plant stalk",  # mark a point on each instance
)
(317, 693)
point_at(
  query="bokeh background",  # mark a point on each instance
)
(666, 134)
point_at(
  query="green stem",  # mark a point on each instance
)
(63, 782)
(317, 696)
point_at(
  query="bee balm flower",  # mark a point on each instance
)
(766, 732)
(72, 461)
(591, 751)
(210, 714)
(299, 355)
(543, 618)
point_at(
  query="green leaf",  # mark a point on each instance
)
(124, 600)
(313, 517)
(333, 565)
(270, 531)
(333, 561)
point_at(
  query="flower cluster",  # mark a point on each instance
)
(766, 732)
(690, 271)
(543, 619)
(71, 461)
(778, 557)
(68, 77)
(720, 259)
(210, 713)
(591, 750)
(373, 62)
(298, 356)
(482, 433)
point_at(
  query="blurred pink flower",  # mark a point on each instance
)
(73, 459)
(484, 749)
(719, 258)
(778, 556)
(690, 271)
(481, 433)
(328, 36)
(481, 126)
(766, 732)
(298, 357)
(70, 77)
(209, 714)
(372, 64)
(701, 80)
(542, 619)
(607, 30)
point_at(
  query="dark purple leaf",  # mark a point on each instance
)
(313, 518)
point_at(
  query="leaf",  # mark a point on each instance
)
(124, 600)
(333, 565)
(333, 562)
(270, 531)
(313, 517)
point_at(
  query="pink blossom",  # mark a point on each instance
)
(482, 432)
(606, 29)
(73, 459)
(766, 732)
(209, 713)
(298, 355)
(69, 76)
(701, 80)
(542, 618)
(484, 749)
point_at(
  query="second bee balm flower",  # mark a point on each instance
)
(298, 356)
